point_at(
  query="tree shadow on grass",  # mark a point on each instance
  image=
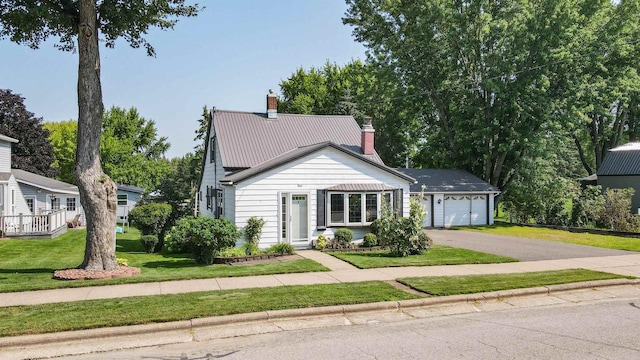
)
(179, 264)
(27, 271)
(129, 246)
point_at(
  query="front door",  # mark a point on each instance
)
(294, 218)
(299, 218)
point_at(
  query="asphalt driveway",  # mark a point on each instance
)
(522, 249)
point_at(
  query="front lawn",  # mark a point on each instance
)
(21, 320)
(470, 284)
(603, 241)
(438, 255)
(29, 264)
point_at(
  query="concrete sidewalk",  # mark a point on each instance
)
(341, 272)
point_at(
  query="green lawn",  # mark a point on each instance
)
(469, 284)
(438, 255)
(29, 264)
(47, 318)
(603, 241)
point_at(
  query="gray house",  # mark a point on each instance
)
(621, 169)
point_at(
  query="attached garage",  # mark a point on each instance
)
(453, 197)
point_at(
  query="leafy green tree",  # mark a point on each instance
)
(33, 152)
(600, 80)
(178, 187)
(473, 73)
(63, 137)
(132, 153)
(80, 25)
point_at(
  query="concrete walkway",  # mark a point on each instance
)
(341, 272)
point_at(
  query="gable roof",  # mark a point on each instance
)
(447, 180)
(130, 188)
(43, 182)
(299, 153)
(246, 139)
(623, 160)
(8, 139)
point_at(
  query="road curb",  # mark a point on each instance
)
(290, 314)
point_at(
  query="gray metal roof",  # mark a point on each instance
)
(44, 182)
(623, 160)
(130, 188)
(299, 153)
(8, 139)
(247, 139)
(447, 180)
(360, 187)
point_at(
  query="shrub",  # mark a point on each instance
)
(321, 243)
(253, 230)
(343, 237)
(404, 236)
(283, 249)
(231, 252)
(150, 219)
(202, 236)
(370, 240)
(374, 228)
(250, 249)
(150, 242)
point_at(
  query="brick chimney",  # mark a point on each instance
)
(367, 137)
(272, 105)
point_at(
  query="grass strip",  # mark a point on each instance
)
(437, 255)
(470, 284)
(603, 241)
(37, 319)
(29, 264)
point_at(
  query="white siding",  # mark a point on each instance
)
(259, 196)
(211, 175)
(20, 203)
(491, 207)
(5, 157)
(438, 210)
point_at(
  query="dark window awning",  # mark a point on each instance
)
(360, 187)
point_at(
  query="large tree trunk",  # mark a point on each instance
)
(97, 191)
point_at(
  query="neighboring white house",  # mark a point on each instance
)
(305, 175)
(453, 197)
(28, 194)
(128, 196)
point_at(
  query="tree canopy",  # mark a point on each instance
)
(33, 152)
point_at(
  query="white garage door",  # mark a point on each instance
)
(479, 210)
(426, 205)
(456, 210)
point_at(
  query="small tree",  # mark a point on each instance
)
(151, 218)
(203, 236)
(404, 236)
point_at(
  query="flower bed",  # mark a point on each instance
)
(241, 259)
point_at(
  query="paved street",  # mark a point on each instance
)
(520, 248)
(543, 328)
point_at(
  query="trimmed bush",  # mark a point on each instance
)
(150, 219)
(283, 249)
(150, 242)
(253, 230)
(203, 237)
(343, 237)
(369, 240)
(321, 243)
(374, 228)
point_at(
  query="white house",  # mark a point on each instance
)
(453, 197)
(305, 175)
(28, 199)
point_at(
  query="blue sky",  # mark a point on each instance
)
(228, 57)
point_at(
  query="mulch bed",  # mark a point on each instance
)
(254, 259)
(81, 274)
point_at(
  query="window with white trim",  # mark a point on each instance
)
(356, 208)
(123, 200)
(71, 204)
(31, 204)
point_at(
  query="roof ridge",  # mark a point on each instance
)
(288, 114)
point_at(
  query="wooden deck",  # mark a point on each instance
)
(48, 225)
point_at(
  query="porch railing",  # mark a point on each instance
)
(15, 225)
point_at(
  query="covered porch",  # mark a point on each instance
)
(48, 225)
